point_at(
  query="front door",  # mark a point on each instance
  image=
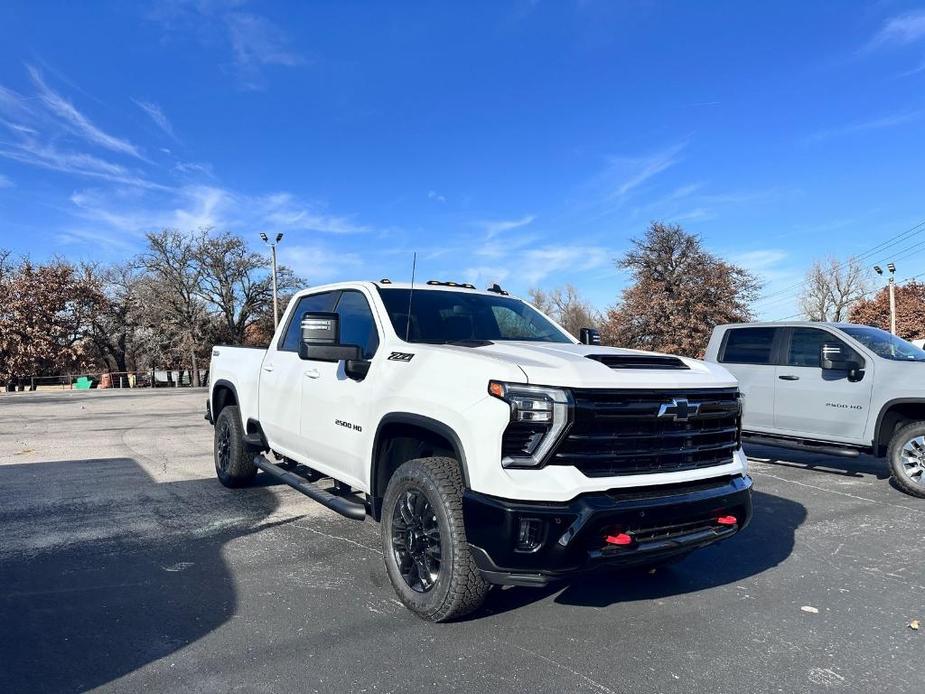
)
(820, 404)
(335, 408)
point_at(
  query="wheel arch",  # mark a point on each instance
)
(893, 415)
(223, 394)
(403, 436)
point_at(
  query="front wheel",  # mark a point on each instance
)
(907, 458)
(424, 542)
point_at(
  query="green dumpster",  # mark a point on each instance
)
(83, 383)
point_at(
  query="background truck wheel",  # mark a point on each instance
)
(424, 541)
(907, 458)
(233, 463)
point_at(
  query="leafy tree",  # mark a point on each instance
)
(910, 310)
(832, 288)
(45, 317)
(567, 307)
(680, 292)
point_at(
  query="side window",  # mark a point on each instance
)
(307, 304)
(805, 344)
(357, 326)
(748, 346)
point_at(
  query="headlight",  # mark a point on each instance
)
(539, 417)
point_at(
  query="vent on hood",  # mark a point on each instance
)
(638, 361)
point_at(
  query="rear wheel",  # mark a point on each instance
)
(424, 541)
(907, 458)
(233, 463)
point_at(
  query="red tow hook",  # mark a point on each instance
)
(727, 520)
(621, 539)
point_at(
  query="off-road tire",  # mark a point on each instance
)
(459, 588)
(901, 437)
(234, 464)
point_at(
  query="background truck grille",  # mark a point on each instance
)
(620, 432)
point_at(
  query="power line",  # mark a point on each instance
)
(898, 238)
(862, 296)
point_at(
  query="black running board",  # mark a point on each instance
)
(801, 445)
(344, 507)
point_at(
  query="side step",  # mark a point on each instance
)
(344, 507)
(801, 445)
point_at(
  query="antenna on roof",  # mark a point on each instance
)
(414, 265)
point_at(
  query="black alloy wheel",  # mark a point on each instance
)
(416, 540)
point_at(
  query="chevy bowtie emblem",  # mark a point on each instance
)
(679, 409)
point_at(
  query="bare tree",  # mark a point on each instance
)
(567, 307)
(680, 292)
(832, 288)
(236, 283)
(174, 283)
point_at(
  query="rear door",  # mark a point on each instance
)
(282, 375)
(750, 354)
(335, 425)
(818, 404)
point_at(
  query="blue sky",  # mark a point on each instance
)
(523, 142)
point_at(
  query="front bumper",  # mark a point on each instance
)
(569, 537)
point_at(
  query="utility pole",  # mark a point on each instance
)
(891, 283)
(272, 245)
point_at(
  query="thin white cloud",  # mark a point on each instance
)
(157, 115)
(318, 263)
(193, 168)
(76, 122)
(900, 31)
(628, 173)
(5, 182)
(434, 195)
(283, 211)
(494, 227)
(888, 121)
(539, 263)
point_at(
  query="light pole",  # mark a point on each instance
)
(272, 245)
(891, 268)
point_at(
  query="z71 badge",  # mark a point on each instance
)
(400, 356)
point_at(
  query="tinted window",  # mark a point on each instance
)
(307, 304)
(357, 326)
(448, 316)
(749, 346)
(805, 345)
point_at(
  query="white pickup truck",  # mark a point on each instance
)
(833, 388)
(492, 446)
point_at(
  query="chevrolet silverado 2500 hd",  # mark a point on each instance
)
(491, 445)
(834, 388)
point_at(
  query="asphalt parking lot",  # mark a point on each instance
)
(125, 565)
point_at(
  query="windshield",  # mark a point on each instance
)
(885, 345)
(442, 316)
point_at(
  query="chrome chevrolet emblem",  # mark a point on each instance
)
(679, 409)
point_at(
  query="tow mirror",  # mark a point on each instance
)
(589, 336)
(834, 357)
(320, 339)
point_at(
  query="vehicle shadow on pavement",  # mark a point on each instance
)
(819, 462)
(103, 569)
(766, 542)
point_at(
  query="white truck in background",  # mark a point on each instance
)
(834, 388)
(492, 446)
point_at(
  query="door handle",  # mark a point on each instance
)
(268, 368)
(789, 377)
(313, 373)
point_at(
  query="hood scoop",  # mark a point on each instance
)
(639, 361)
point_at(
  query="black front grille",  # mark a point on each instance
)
(620, 432)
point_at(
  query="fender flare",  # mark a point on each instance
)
(433, 425)
(886, 407)
(226, 384)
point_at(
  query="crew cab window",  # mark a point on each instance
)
(749, 346)
(307, 304)
(357, 326)
(806, 344)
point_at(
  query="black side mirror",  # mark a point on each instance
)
(321, 339)
(589, 336)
